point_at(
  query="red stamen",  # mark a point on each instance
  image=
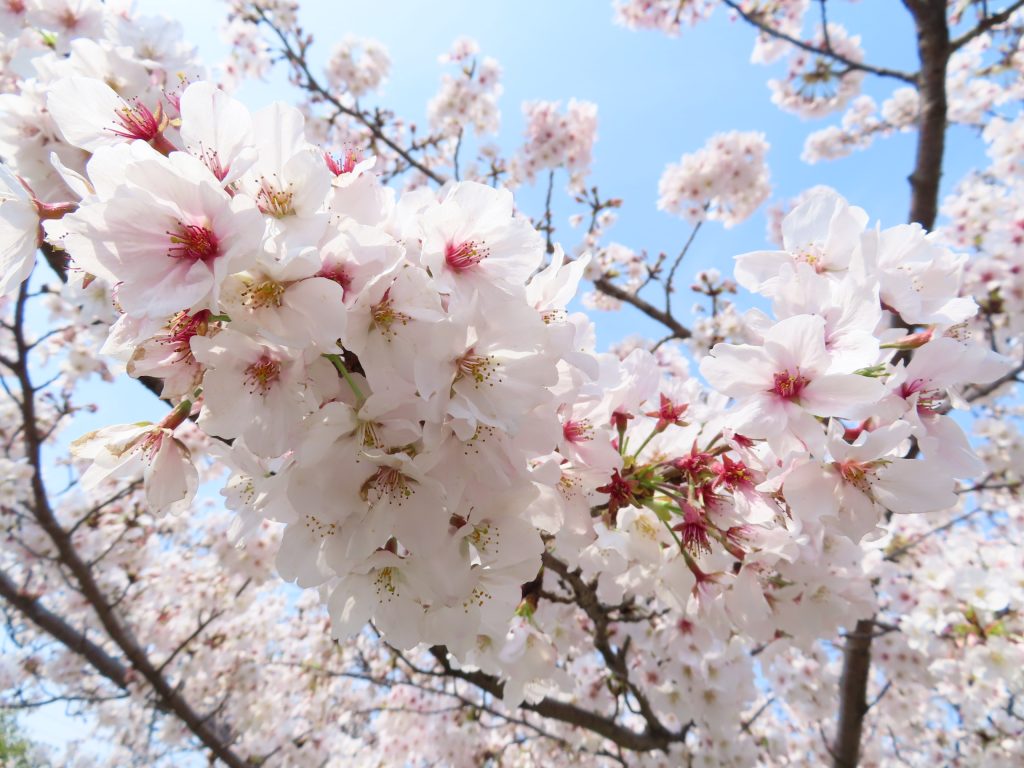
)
(346, 164)
(578, 431)
(137, 122)
(465, 255)
(193, 242)
(263, 374)
(789, 385)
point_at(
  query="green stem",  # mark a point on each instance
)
(336, 360)
(180, 412)
(675, 536)
(655, 431)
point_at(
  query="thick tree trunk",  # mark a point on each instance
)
(853, 688)
(933, 46)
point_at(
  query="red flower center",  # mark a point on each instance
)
(193, 242)
(788, 385)
(263, 374)
(135, 121)
(463, 256)
(578, 431)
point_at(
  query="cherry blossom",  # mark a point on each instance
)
(447, 507)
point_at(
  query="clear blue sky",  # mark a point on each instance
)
(658, 98)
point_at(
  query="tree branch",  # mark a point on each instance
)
(557, 710)
(853, 686)
(986, 24)
(64, 633)
(88, 585)
(312, 85)
(605, 286)
(933, 48)
(827, 52)
(587, 600)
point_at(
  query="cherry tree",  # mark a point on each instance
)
(395, 507)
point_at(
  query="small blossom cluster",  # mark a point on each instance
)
(985, 215)
(357, 67)
(861, 124)
(814, 84)
(663, 15)
(557, 140)
(724, 181)
(749, 520)
(973, 95)
(470, 96)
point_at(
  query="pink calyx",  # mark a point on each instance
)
(668, 413)
(693, 531)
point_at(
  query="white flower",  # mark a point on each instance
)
(125, 451)
(19, 232)
(784, 383)
(169, 235)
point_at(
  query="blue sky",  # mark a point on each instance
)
(658, 98)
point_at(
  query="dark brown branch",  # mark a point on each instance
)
(615, 659)
(607, 287)
(675, 265)
(57, 259)
(64, 633)
(549, 229)
(88, 585)
(853, 687)
(557, 710)
(827, 51)
(200, 627)
(986, 24)
(898, 553)
(980, 391)
(654, 737)
(311, 84)
(745, 726)
(934, 49)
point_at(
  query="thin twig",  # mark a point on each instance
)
(768, 29)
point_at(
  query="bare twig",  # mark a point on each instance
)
(986, 24)
(311, 84)
(606, 286)
(827, 51)
(87, 583)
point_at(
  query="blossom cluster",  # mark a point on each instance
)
(470, 96)
(555, 140)
(814, 84)
(361, 353)
(724, 181)
(400, 384)
(357, 67)
(413, 422)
